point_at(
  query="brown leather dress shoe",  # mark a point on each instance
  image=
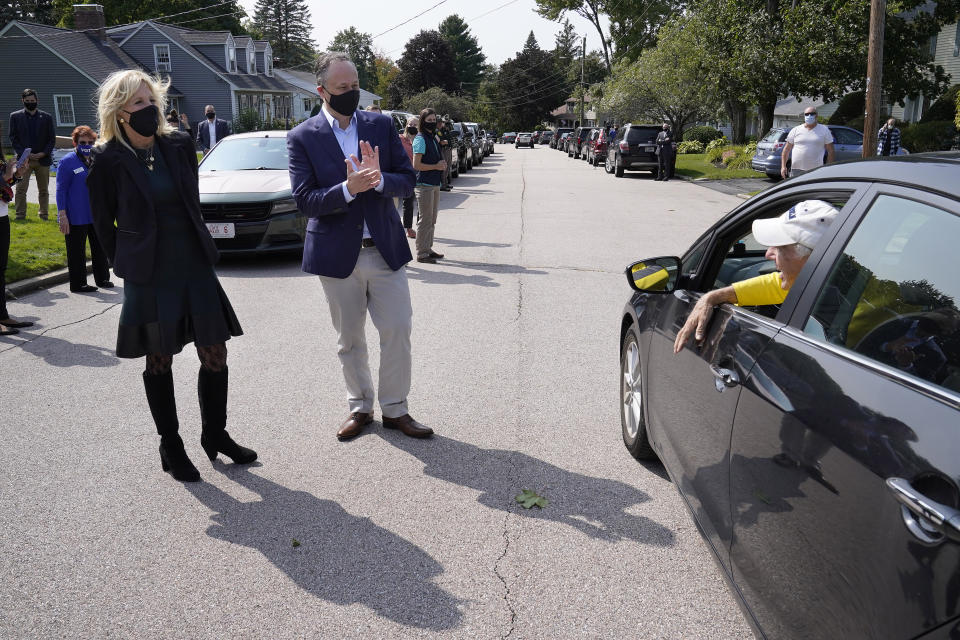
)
(408, 426)
(353, 426)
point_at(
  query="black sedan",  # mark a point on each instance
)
(816, 442)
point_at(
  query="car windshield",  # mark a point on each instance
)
(773, 136)
(247, 154)
(638, 135)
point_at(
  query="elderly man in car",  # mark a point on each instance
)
(791, 239)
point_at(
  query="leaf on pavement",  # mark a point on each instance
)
(529, 499)
(296, 543)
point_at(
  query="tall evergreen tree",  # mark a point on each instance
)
(530, 86)
(468, 58)
(225, 17)
(427, 61)
(359, 46)
(286, 24)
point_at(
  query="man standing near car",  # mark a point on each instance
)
(211, 131)
(805, 146)
(666, 155)
(31, 128)
(445, 141)
(888, 140)
(355, 241)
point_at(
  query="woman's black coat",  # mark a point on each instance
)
(122, 204)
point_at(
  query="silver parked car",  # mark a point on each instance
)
(847, 145)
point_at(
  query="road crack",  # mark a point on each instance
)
(59, 326)
(503, 580)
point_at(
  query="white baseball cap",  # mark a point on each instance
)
(805, 223)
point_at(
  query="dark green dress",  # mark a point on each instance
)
(184, 302)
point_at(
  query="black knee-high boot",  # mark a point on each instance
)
(212, 390)
(163, 406)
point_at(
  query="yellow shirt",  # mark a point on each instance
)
(760, 290)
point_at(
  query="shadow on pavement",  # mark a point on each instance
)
(341, 558)
(454, 242)
(596, 507)
(63, 353)
(437, 276)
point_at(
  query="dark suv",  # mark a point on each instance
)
(557, 135)
(634, 148)
(575, 141)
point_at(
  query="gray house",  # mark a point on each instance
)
(233, 73)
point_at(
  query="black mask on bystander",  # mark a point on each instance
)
(412, 131)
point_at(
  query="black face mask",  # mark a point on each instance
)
(345, 103)
(412, 131)
(211, 115)
(30, 106)
(428, 126)
(144, 121)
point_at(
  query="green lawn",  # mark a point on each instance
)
(36, 247)
(695, 165)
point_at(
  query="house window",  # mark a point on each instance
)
(933, 46)
(307, 104)
(232, 58)
(252, 61)
(64, 106)
(161, 57)
(268, 62)
(956, 42)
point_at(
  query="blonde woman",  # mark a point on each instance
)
(146, 210)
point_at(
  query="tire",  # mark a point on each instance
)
(569, 153)
(596, 160)
(617, 167)
(607, 166)
(633, 425)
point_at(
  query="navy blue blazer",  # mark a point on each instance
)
(203, 132)
(46, 135)
(335, 228)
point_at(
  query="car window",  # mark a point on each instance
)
(239, 154)
(642, 135)
(846, 136)
(773, 135)
(892, 294)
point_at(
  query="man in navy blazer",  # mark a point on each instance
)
(32, 128)
(207, 139)
(346, 167)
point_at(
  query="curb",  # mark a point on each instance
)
(52, 279)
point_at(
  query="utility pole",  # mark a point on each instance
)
(583, 95)
(878, 11)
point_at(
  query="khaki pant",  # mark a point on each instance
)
(43, 181)
(428, 198)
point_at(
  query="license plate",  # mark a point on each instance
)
(650, 149)
(222, 229)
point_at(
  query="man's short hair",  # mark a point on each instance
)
(324, 60)
(28, 92)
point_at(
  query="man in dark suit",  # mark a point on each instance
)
(356, 241)
(31, 128)
(212, 130)
(666, 153)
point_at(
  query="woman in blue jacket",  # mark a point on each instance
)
(74, 216)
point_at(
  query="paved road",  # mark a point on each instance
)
(515, 366)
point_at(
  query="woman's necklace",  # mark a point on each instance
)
(145, 156)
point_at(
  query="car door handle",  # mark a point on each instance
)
(944, 518)
(724, 377)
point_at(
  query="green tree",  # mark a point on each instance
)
(359, 46)
(664, 83)
(442, 102)
(286, 24)
(427, 62)
(385, 72)
(485, 108)
(468, 59)
(592, 10)
(530, 86)
(634, 24)
(225, 17)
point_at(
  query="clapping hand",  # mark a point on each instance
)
(363, 175)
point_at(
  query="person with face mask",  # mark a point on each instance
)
(888, 139)
(430, 165)
(406, 138)
(144, 196)
(32, 128)
(446, 148)
(211, 129)
(75, 218)
(805, 146)
(355, 241)
(666, 153)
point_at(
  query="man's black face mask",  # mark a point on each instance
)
(345, 103)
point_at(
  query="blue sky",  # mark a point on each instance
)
(501, 33)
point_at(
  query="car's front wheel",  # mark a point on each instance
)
(632, 423)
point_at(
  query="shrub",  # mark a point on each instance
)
(744, 158)
(945, 108)
(851, 106)
(715, 148)
(703, 135)
(728, 155)
(690, 146)
(929, 136)
(857, 123)
(246, 120)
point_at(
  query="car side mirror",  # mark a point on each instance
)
(654, 275)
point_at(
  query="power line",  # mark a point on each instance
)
(221, 15)
(409, 20)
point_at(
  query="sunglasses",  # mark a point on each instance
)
(810, 113)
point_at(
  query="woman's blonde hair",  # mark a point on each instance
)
(116, 90)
